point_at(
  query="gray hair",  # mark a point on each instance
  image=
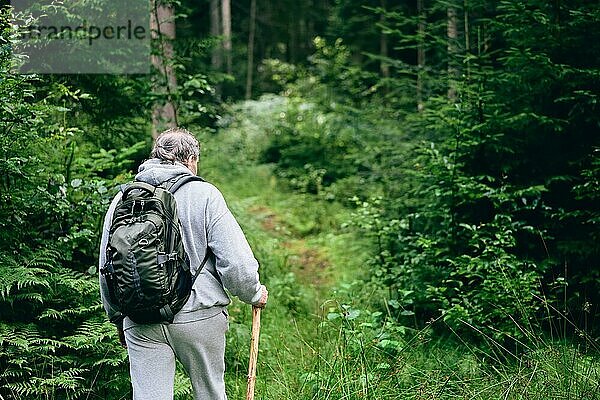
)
(176, 144)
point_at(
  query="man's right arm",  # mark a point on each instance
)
(236, 264)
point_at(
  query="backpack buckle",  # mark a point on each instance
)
(163, 258)
(107, 270)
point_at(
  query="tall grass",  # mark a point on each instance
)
(350, 353)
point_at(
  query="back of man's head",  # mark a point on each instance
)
(176, 144)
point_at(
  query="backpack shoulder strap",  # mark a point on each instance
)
(174, 185)
(201, 267)
(126, 189)
(215, 274)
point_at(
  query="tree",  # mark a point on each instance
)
(383, 45)
(215, 31)
(250, 62)
(162, 25)
(420, 53)
(226, 24)
(452, 36)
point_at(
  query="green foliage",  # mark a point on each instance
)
(359, 343)
(309, 149)
(55, 340)
(476, 205)
(329, 138)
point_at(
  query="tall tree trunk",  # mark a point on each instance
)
(420, 54)
(452, 34)
(467, 38)
(292, 43)
(302, 29)
(250, 71)
(384, 67)
(226, 21)
(162, 25)
(310, 24)
(215, 31)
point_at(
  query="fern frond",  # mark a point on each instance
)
(27, 297)
(18, 337)
(91, 334)
(47, 345)
(16, 275)
(75, 282)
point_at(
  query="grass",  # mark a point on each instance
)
(326, 333)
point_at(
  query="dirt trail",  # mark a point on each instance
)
(308, 263)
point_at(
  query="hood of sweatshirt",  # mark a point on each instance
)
(155, 171)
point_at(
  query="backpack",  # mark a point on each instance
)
(147, 270)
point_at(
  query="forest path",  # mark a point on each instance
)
(305, 256)
(307, 252)
(305, 259)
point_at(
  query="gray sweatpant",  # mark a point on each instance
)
(198, 345)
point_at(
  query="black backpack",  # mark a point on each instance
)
(147, 269)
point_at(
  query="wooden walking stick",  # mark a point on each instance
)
(253, 352)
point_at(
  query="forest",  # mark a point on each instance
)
(420, 181)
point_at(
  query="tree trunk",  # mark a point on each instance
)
(452, 33)
(292, 40)
(250, 71)
(226, 21)
(420, 54)
(310, 25)
(467, 38)
(162, 25)
(384, 67)
(215, 31)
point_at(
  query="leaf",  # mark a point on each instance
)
(394, 304)
(333, 316)
(352, 314)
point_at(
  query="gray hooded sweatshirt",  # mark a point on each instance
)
(206, 221)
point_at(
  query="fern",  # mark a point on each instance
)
(69, 383)
(55, 341)
(182, 386)
(15, 276)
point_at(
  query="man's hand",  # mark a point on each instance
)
(263, 298)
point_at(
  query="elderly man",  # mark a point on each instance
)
(196, 337)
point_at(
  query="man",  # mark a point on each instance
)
(197, 335)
